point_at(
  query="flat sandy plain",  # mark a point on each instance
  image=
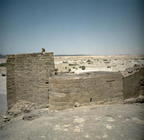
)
(94, 122)
(97, 63)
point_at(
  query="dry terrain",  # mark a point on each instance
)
(78, 64)
(103, 122)
(94, 122)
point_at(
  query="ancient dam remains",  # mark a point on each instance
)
(32, 78)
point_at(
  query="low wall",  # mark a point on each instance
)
(98, 87)
(134, 84)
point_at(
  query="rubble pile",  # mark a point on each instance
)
(132, 70)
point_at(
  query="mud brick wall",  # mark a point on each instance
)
(98, 87)
(28, 77)
(134, 84)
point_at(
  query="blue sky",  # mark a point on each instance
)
(72, 26)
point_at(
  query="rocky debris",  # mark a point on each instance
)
(4, 119)
(77, 104)
(129, 70)
(139, 99)
(21, 107)
(132, 70)
(25, 107)
(34, 114)
(31, 116)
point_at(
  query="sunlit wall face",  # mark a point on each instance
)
(72, 26)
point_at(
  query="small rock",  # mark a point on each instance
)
(79, 120)
(5, 117)
(30, 116)
(130, 101)
(139, 99)
(57, 127)
(76, 129)
(129, 70)
(108, 126)
(77, 104)
(87, 136)
(110, 119)
(65, 129)
(7, 120)
(67, 125)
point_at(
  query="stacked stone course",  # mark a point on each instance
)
(133, 85)
(98, 87)
(28, 77)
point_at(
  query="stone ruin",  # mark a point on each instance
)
(28, 77)
(31, 78)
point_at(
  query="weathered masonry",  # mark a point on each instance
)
(133, 85)
(97, 87)
(28, 77)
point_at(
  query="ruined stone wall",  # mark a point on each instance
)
(133, 84)
(11, 90)
(98, 87)
(28, 77)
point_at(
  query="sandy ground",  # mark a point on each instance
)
(104, 122)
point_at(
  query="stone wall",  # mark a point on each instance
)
(98, 87)
(28, 77)
(133, 84)
(11, 89)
